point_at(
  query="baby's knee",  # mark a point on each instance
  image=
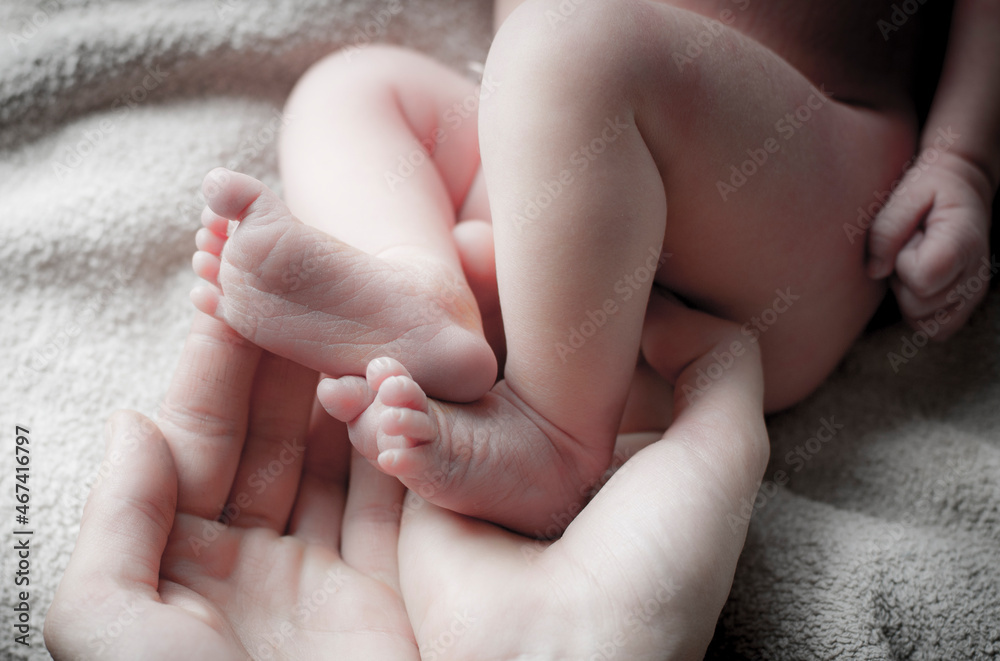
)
(353, 66)
(569, 45)
(594, 57)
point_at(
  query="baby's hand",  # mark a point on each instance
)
(934, 232)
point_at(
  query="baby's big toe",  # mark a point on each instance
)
(394, 385)
(345, 398)
(239, 196)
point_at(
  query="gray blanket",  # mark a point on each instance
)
(876, 536)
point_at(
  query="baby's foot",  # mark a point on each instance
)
(304, 295)
(494, 458)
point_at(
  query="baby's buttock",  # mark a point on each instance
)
(784, 256)
(772, 192)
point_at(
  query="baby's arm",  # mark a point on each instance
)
(934, 232)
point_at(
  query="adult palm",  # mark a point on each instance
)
(214, 536)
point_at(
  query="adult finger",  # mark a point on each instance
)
(450, 558)
(204, 415)
(319, 507)
(370, 534)
(126, 522)
(669, 525)
(267, 479)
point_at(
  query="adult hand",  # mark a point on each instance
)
(644, 570)
(304, 566)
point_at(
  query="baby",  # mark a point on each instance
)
(733, 152)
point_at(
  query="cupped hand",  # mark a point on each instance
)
(934, 234)
(642, 572)
(229, 531)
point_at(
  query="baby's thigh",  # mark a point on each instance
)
(374, 129)
(762, 170)
(764, 175)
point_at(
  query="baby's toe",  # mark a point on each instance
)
(416, 426)
(402, 392)
(240, 197)
(206, 298)
(345, 398)
(214, 222)
(404, 462)
(206, 266)
(207, 240)
(383, 368)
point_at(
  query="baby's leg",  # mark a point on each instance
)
(595, 130)
(379, 150)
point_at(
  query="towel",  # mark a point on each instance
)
(875, 535)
